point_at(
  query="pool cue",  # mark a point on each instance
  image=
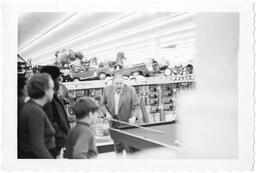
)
(145, 128)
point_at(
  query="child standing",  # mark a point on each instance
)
(81, 142)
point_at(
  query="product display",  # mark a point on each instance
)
(157, 100)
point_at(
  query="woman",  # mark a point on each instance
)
(21, 92)
(35, 132)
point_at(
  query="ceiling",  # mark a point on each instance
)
(138, 35)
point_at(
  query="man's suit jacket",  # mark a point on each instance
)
(56, 113)
(128, 102)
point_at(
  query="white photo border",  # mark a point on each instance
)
(9, 85)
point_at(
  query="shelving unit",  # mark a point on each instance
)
(94, 84)
(157, 96)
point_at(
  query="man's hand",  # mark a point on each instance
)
(132, 120)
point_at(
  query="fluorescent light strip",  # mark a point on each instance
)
(142, 26)
(87, 33)
(36, 39)
(133, 32)
(150, 37)
(101, 27)
(125, 16)
(113, 37)
(144, 44)
(178, 29)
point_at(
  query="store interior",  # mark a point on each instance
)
(182, 69)
(103, 35)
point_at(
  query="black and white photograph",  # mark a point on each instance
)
(154, 87)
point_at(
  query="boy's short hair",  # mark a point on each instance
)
(38, 84)
(83, 106)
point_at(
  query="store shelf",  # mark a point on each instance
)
(94, 84)
(157, 97)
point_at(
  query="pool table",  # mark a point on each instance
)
(144, 139)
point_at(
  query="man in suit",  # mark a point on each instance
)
(120, 102)
(56, 112)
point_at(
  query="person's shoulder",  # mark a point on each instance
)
(29, 105)
(30, 109)
(129, 88)
(82, 130)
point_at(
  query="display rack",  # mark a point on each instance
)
(157, 96)
(93, 84)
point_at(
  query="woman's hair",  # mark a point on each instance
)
(84, 106)
(38, 84)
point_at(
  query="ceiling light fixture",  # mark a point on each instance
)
(117, 36)
(49, 30)
(113, 37)
(87, 33)
(176, 41)
(132, 42)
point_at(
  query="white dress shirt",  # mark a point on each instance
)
(117, 98)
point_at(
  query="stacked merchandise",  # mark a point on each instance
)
(157, 100)
(168, 103)
(154, 102)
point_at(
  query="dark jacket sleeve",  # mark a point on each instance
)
(36, 134)
(49, 111)
(58, 117)
(50, 114)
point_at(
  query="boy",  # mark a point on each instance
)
(80, 142)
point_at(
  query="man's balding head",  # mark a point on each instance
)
(118, 82)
